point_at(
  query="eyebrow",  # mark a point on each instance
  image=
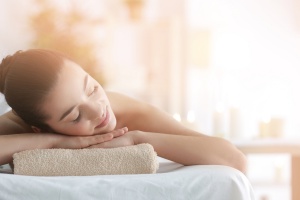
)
(72, 108)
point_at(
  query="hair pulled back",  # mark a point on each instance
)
(26, 77)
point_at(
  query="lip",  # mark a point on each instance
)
(105, 121)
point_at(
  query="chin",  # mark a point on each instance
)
(112, 125)
(109, 127)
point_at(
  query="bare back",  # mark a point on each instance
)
(139, 115)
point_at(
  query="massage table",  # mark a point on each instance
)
(172, 181)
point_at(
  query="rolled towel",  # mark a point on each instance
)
(136, 159)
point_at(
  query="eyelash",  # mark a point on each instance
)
(79, 115)
(77, 119)
(95, 90)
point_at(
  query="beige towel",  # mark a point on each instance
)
(137, 159)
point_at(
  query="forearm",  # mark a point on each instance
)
(10, 144)
(194, 150)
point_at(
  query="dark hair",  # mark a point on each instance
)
(26, 77)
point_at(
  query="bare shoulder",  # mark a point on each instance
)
(129, 111)
(141, 110)
(140, 115)
(12, 124)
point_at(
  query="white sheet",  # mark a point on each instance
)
(173, 181)
(3, 105)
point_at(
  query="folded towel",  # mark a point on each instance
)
(136, 159)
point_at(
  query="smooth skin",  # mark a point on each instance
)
(83, 115)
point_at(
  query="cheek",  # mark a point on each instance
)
(79, 129)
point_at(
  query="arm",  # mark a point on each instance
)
(183, 145)
(15, 136)
(193, 150)
(13, 143)
(172, 140)
(184, 149)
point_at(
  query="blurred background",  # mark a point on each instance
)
(226, 68)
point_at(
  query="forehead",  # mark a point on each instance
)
(67, 90)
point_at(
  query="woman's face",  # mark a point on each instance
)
(77, 104)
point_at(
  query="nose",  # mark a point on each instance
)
(95, 110)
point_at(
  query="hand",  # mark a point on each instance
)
(79, 142)
(121, 141)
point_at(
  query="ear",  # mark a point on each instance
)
(36, 129)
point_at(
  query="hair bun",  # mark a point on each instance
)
(4, 68)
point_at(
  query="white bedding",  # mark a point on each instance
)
(173, 181)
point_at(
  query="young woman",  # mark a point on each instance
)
(56, 104)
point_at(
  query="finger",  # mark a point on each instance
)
(125, 129)
(104, 138)
(97, 139)
(120, 132)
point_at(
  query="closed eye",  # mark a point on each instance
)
(77, 118)
(94, 90)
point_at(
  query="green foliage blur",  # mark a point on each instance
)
(64, 32)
